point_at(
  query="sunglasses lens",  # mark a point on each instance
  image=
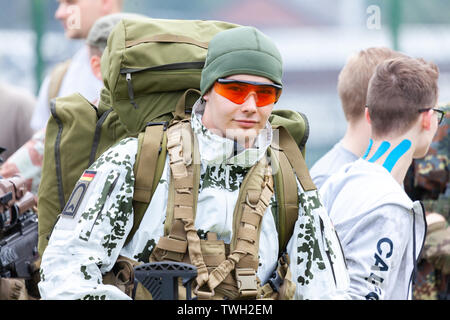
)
(266, 95)
(237, 92)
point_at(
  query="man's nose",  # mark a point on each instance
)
(249, 104)
(61, 11)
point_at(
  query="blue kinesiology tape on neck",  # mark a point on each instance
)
(396, 154)
(368, 149)
(384, 146)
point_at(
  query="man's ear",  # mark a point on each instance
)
(367, 115)
(96, 67)
(426, 118)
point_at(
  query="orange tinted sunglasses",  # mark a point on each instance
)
(238, 91)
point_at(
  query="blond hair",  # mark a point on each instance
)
(354, 79)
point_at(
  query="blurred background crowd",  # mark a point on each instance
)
(314, 37)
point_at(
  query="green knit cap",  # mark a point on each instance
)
(241, 50)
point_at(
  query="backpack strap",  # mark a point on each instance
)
(151, 158)
(286, 195)
(290, 148)
(56, 79)
(253, 201)
(285, 156)
(185, 176)
(146, 160)
(150, 161)
(254, 198)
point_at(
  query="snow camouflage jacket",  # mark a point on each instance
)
(84, 247)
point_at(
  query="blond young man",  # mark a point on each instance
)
(352, 88)
(77, 18)
(381, 229)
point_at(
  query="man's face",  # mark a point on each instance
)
(241, 122)
(78, 16)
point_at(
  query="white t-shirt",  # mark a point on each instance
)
(79, 78)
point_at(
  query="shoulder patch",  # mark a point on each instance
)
(78, 193)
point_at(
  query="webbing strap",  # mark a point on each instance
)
(287, 195)
(56, 79)
(182, 170)
(247, 237)
(146, 162)
(250, 208)
(295, 157)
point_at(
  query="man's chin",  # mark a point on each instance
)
(241, 135)
(73, 34)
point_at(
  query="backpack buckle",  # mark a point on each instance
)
(160, 123)
(275, 281)
(246, 282)
(161, 279)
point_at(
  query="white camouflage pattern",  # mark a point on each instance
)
(80, 250)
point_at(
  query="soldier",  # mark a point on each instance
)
(428, 180)
(240, 84)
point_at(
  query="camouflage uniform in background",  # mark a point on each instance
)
(428, 180)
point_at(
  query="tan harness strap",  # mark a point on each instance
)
(180, 153)
(146, 162)
(295, 157)
(56, 79)
(247, 237)
(287, 195)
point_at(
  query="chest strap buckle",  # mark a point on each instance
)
(246, 282)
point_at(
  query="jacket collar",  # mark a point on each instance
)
(216, 150)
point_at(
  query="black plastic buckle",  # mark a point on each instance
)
(275, 281)
(161, 279)
(160, 123)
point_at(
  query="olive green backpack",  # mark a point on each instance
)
(151, 69)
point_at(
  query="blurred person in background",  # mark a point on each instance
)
(16, 108)
(27, 161)
(74, 75)
(428, 180)
(352, 88)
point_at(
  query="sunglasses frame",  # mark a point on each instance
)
(277, 87)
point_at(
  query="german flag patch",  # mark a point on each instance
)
(88, 176)
(78, 193)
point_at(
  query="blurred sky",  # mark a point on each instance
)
(315, 38)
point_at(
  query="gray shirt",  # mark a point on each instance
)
(330, 163)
